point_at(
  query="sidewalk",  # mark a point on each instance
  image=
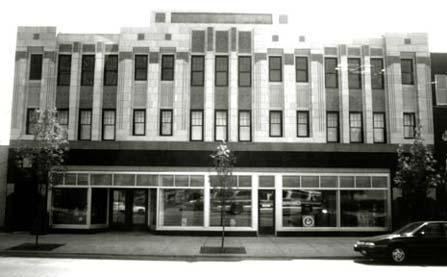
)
(142, 245)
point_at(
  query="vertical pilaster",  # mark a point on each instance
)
(181, 100)
(260, 100)
(48, 84)
(318, 100)
(394, 99)
(75, 80)
(233, 98)
(289, 87)
(209, 97)
(97, 95)
(367, 100)
(152, 112)
(124, 94)
(344, 95)
(425, 109)
(18, 103)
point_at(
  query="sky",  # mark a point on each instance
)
(332, 19)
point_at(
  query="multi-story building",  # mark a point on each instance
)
(314, 126)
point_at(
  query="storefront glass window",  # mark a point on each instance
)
(309, 208)
(69, 206)
(181, 207)
(99, 206)
(363, 208)
(237, 207)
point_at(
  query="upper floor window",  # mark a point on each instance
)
(140, 67)
(331, 72)
(302, 120)
(244, 125)
(355, 73)
(35, 72)
(244, 71)
(332, 127)
(406, 66)
(377, 73)
(85, 124)
(108, 125)
(111, 70)
(196, 125)
(409, 125)
(62, 118)
(167, 67)
(139, 122)
(302, 69)
(166, 120)
(221, 74)
(379, 127)
(221, 125)
(64, 70)
(32, 116)
(355, 127)
(197, 71)
(275, 123)
(88, 70)
(275, 69)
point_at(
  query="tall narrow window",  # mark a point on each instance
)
(111, 70)
(221, 125)
(275, 123)
(35, 72)
(108, 125)
(88, 70)
(32, 116)
(302, 69)
(221, 74)
(377, 70)
(355, 73)
(139, 122)
(244, 71)
(167, 67)
(331, 72)
(409, 125)
(379, 127)
(406, 66)
(85, 124)
(275, 69)
(166, 122)
(196, 125)
(244, 125)
(64, 70)
(140, 67)
(302, 119)
(197, 71)
(332, 127)
(355, 127)
(62, 118)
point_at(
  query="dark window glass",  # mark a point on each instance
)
(69, 206)
(409, 125)
(166, 122)
(64, 70)
(35, 72)
(111, 70)
(197, 71)
(237, 207)
(302, 120)
(355, 127)
(221, 66)
(140, 67)
(379, 127)
(167, 67)
(244, 71)
(62, 118)
(302, 69)
(88, 70)
(108, 124)
(331, 72)
(197, 125)
(85, 124)
(244, 125)
(355, 73)
(221, 126)
(99, 206)
(32, 117)
(332, 127)
(139, 122)
(275, 123)
(181, 207)
(406, 66)
(377, 70)
(433, 230)
(275, 69)
(363, 208)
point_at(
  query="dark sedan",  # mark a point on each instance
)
(417, 239)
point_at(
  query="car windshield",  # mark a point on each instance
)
(408, 228)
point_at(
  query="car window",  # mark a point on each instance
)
(433, 230)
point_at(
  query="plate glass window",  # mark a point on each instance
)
(166, 122)
(197, 125)
(62, 118)
(275, 69)
(409, 125)
(355, 71)
(379, 127)
(332, 127)
(244, 74)
(331, 72)
(221, 67)
(111, 70)
(221, 125)
(197, 71)
(88, 70)
(275, 123)
(141, 67)
(302, 69)
(406, 66)
(302, 118)
(167, 67)
(139, 122)
(377, 73)
(244, 126)
(85, 124)
(355, 127)
(64, 70)
(35, 72)
(108, 125)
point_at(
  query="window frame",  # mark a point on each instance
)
(216, 126)
(240, 72)
(280, 69)
(216, 71)
(410, 73)
(134, 122)
(33, 74)
(80, 124)
(31, 112)
(356, 74)
(108, 81)
(169, 68)
(413, 116)
(60, 72)
(239, 126)
(84, 71)
(171, 122)
(191, 125)
(281, 123)
(306, 70)
(68, 117)
(384, 127)
(104, 125)
(329, 73)
(201, 72)
(137, 68)
(355, 127)
(375, 72)
(332, 127)
(298, 124)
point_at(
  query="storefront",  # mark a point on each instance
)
(260, 201)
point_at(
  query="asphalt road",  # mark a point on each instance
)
(37, 267)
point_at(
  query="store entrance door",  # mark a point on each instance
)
(128, 209)
(266, 212)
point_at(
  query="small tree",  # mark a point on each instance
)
(43, 156)
(224, 161)
(416, 174)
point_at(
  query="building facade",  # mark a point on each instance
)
(314, 126)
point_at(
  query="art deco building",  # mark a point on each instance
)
(314, 125)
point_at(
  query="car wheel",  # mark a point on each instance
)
(398, 254)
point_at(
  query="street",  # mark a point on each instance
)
(11, 266)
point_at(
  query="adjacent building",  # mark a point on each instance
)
(314, 126)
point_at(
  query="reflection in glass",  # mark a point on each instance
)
(69, 206)
(119, 207)
(237, 207)
(99, 206)
(266, 208)
(139, 207)
(363, 208)
(309, 208)
(181, 207)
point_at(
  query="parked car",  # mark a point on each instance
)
(417, 239)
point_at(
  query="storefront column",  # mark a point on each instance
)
(255, 202)
(278, 202)
(206, 202)
(89, 206)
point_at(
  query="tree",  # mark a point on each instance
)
(416, 174)
(44, 157)
(224, 161)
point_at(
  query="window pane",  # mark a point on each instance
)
(181, 207)
(109, 132)
(332, 120)
(197, 63)
(221, 79)
(88, 70)
(379, 135)
(196, 133)
(197, 78)
(166, 122)
(69, 206)
(64, 70)
(275, 76)
(363, 208)
(331, 80)
(109, 117)
(310, 181)
(244, 134)
(221, 64)
(237, 207)
(332, 135)
(221, 133)
(99, 206)
(35, 67)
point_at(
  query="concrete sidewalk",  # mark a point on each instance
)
(142, 245)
